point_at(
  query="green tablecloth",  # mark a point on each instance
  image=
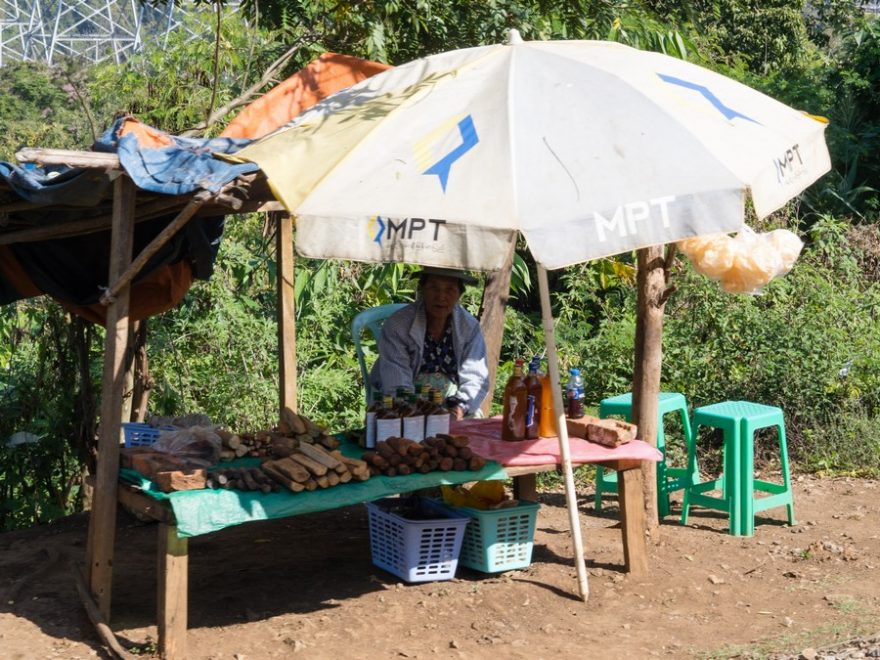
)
(203, 511)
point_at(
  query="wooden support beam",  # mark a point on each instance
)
(102, 521)
(90, 160)
(286, 310)
(492, 308)
(632, 521)
(123, 280)
(173, 593)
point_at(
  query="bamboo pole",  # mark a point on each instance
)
(564, 450)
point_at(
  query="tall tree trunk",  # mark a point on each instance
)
(652, 279)
(495, 296)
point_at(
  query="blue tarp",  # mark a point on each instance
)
(186, 167)
(73, 270)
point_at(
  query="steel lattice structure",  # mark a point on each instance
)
(93, 30)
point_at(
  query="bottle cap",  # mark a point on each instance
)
(575, 372)
(518, 361)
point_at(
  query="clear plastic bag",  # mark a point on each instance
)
(199, 445)
(746, 262)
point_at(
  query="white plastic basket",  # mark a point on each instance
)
(414, 550)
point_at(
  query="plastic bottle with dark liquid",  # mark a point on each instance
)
(513, 418)
(533, 401)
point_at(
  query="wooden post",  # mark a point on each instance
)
(173, 593)
(632, 518)
(102, 521)
(495, 296)
(652, 278)
(285, 263)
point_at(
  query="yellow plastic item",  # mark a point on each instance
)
(482, 495)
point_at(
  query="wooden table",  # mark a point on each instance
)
(172, 564)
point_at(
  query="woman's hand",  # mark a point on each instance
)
(458, 412)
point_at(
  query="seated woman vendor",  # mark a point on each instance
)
(435, 341)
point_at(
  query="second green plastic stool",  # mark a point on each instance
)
(669, 479)
(739, 420)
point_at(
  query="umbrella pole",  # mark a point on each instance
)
(562, 430)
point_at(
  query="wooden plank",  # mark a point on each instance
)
(144, 505)
(96, 160)
(492, 308)
(102, 521)
(632, 522)
(521, 470)
(286, 311)
(173, 593)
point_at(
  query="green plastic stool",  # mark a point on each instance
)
(739, 420)
(669, 479)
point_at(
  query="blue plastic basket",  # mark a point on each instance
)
(415, 550)
(141, 435)
(497, 540)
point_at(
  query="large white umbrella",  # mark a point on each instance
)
(587, 148)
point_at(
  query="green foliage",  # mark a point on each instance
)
(172, 88)
(40, 388)
(764, 35)
(396, 31)
(38, 107)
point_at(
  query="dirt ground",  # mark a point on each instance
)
(306, 587)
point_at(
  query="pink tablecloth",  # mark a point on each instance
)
(485, 440)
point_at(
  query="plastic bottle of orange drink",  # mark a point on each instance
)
(547, 415)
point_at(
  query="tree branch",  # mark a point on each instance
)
(216, 62)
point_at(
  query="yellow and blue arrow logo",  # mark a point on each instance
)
(469, 139)
(377, 225)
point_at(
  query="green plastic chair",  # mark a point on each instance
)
(669, 479)
(739, 420)
(372, 319)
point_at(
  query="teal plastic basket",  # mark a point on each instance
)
(496, 540)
